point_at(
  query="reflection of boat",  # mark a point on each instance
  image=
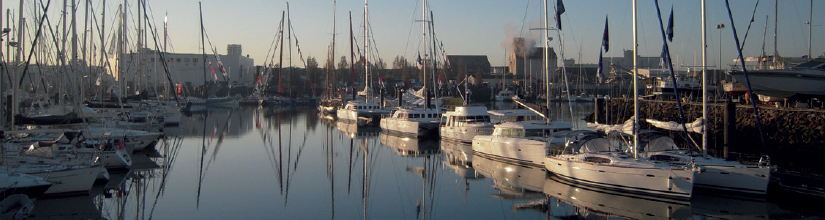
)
(459, 156)
(731, 207)
(14, 183)
(465, 122)
(75, 207)
(512, 180)
(410, 146)
(596, 203)
(355, 131)
(589, 158)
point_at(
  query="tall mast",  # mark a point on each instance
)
(810, 25)
(775, 25)
(330, 84)
(352, 55)
(366, 52)
(281, 62)
(546, 62)
(203, 48)
(635, 87)
(289, 42)
(424, 39)
(704, 84)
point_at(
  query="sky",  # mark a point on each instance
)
(469, 27)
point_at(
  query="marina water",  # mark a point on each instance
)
(292, 163)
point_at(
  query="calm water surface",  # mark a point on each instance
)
(289, 163)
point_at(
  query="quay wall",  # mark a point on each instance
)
(794, 137)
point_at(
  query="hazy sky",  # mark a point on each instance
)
(471, 27)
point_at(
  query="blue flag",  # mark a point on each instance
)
(559, 11)
(418, 62)
(669, 31)
(605, 38)
(599, 73)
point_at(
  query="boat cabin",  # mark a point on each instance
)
(513, 115)
(530, 130)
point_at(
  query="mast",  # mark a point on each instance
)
(704, 84)
(203, 48)
(810, 25)
(424, 61)
(366, 53)
(289, 41)
(635, 87)
(330, 85)
(352, 55)
(775, 24)
(546, 62)
(281, 62)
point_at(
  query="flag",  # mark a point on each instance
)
(559, 11)
(669, 31)
(120, 144)
(663, 60)
(605, 39)
(599, 73)
(419, 61)
(259, 80)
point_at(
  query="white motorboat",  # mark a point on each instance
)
(504, 95)
(412, 121)
(466, 122)
(716, 173)
(525, 142)
(589, 158)
(135, 140)
(805, 79)
(361, 112)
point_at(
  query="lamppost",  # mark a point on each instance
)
(720, 27)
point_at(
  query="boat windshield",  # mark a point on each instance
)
(535, 133)
(659, 143)
(509, 132)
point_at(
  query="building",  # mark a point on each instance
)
(530, 65)
(473, 63)
(190, 70)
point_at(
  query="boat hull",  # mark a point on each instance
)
(528, 152)
(784, 83)
(676, 183)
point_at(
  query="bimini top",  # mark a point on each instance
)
(586, 141)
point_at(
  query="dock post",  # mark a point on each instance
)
(381, 102)
(400, 95)
(730, 128)
(600, 111)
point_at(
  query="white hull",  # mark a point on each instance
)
(407, 127)
(655, 180)
(784, 83)
(70, 181)
(464, 134)
(518, 150)
(744, 179)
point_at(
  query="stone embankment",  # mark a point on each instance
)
(794, 138)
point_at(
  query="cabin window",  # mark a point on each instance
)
(596, 160)
(517, 133)
(665, 158)
(505, 132)
(534, 133)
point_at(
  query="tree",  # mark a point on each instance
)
(479, 78)
(343, 70)
(400, 62)
(312, 70)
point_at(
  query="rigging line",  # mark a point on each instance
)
(748, 30)
(412, 26)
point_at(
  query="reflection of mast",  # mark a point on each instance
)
(203, 153)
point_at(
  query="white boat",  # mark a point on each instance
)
(716, 173)
(135, 140)
(108, 153)
(589, 158)
(504, 95)
(18, 183)
(524, 142)
(412, 121)
(597, 203)
(361, 112)
(466, 122)
(65, 180)
(805, 79)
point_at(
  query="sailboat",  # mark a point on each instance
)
(419, 121)
(363, 111)
(588, 157)
(328, 103)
